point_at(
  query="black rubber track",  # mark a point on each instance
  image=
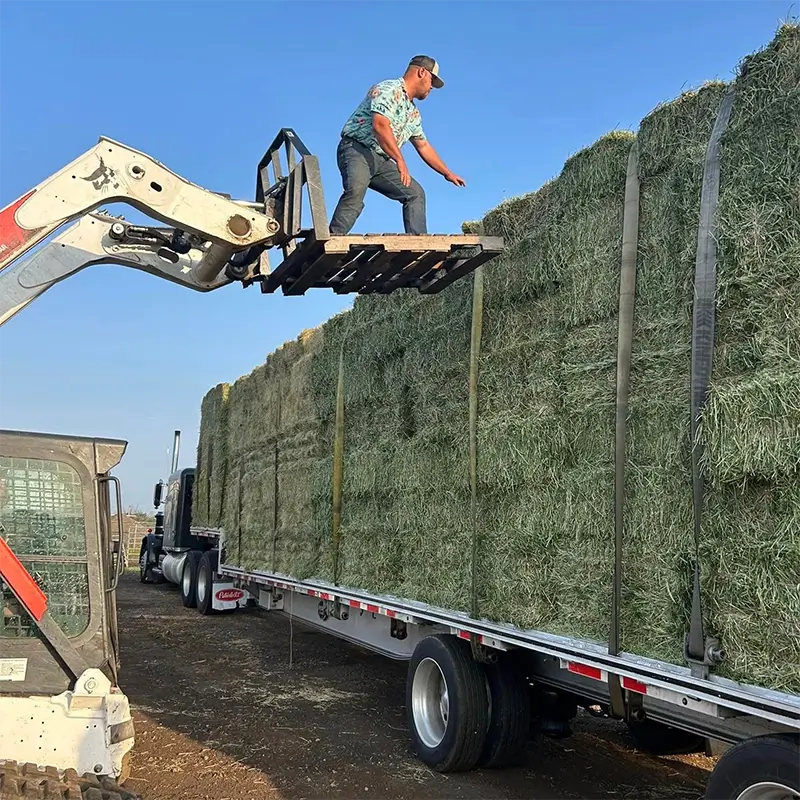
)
(29, 781)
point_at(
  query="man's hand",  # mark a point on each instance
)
(431, 158)
(405, 176)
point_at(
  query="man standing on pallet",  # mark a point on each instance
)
(369, 151)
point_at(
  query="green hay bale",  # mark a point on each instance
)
(673, 132)
(751, 428)
(437, 551)
(587, 248)
(372, 541)
(273, 419)
(752, 559)
(656, 562)
(520, 435)
(672, 149)
(516, 217)
(210, 482)
(595, 173)
(525, 270)
(253, 528)
(545, 552)
(759, 206)
(588, 413)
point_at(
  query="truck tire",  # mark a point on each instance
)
(509, 715)
(143, 567)
(761, 768)
(447, 704)
(659, 739)
(189, 579)
(206, 569)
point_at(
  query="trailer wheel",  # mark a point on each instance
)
(189, 579)
(509, 715)
(762, 768)
(447, 704)
(659, 739)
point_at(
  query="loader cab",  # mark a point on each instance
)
(56, 524)
(177, 519)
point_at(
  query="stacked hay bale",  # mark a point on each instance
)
(212, 444)
(752, 426)
(272, 452)
(546, 393)
(541, 547)
(658, 554)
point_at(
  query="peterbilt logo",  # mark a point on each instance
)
(226, 595)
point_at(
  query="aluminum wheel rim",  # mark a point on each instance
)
(202, 585)
(187, 579)
(430, 703)
(769, 790)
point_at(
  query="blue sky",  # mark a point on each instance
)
(204, 87)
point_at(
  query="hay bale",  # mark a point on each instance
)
(752, 560)
(672, 150)
(210, 486)
(752, 428)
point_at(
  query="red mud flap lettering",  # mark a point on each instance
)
(226, 596)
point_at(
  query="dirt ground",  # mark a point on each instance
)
(247, 707)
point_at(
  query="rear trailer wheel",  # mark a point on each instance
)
(189, 578)
(762, 768)
(446, 704)
(509, 715)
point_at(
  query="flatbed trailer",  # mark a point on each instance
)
(478, 691)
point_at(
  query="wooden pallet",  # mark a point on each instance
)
(380, 264)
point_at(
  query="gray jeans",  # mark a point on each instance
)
(364, 169)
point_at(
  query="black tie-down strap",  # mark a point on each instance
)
(627, 293)
(699, 653)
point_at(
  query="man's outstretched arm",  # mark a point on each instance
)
(431, 158)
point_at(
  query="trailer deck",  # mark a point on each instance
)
(721, 708)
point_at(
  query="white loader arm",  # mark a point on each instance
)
(112, 172)
(100, 239)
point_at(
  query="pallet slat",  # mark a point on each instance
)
(368, 271)
(385, 284)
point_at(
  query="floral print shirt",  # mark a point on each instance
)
(388, 98)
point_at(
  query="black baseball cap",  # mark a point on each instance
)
(430, 64)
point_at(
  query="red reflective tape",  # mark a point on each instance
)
(326, 596)
(634, 686)
(390, 613)
(463, 634)
(354, 604)
(22, 584)
(13, 237)
(586, 671)
(372, 609)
